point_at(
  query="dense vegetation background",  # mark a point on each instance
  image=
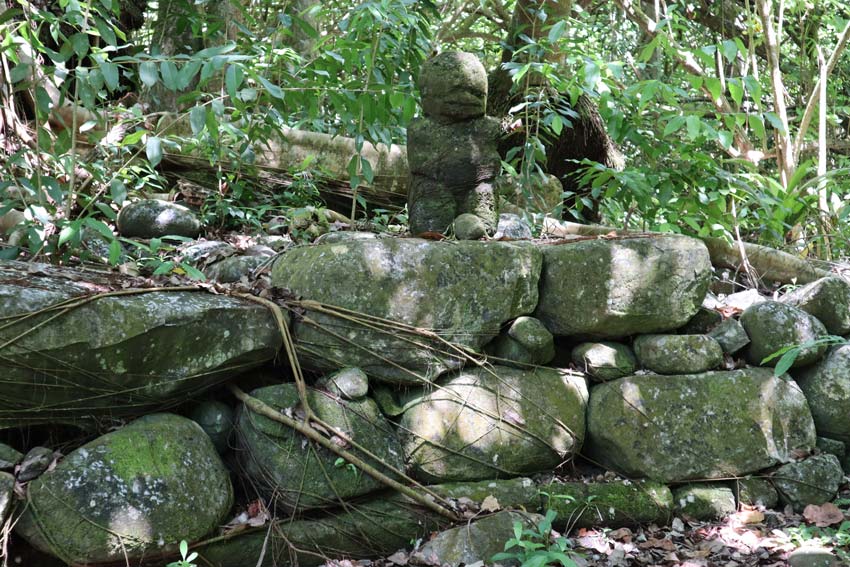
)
(729, 117)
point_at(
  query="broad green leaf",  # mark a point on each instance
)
(170, 76)
(197, 119)
(271, 88)
(100, 227)
(714, 87)
(736, 91)
(786, 362)
(725, 138)
(729, 49)
(110, 74)
(694, 125)
(557, 31)
(80, 44)
(674, 125)
(68, 232)
(163, 268)
(148, 73)
(115, 251)
(775, 121)
(153, 150)
(233, 78)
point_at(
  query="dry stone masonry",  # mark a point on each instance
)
(475, 368)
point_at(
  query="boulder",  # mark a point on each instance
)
(518, 493)
(704, 501)
(216, 419)
(827, 388)
(773, 326)
(152, 218)
(827, 299)
(730, 335)
(813, 556)
(202, 252)
(234, 268)
(831, 446)
(608, 504)
(477, 541)
(494, 423)
(755, 491)
(453, 86)
(348, 383)
(604, 361)
(301, 475)
(469, 227)
(513, 227)
(525, 341)
(117, 356)
(34, 464)
(701, 323)
(697, 426)
(464, 291)
(7, 496)
(813, 481)
(9, 457)
(619, 287)
(130, 493)
(375, 528)
(678, 354)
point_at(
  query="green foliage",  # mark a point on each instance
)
(186, 559)
(539, 546)
(787, 355)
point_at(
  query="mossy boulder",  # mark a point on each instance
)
(216, 419)
(619, 287)
(7, 496)
(697, 426)
(133, 492)
(831, 446)
(494, 423)
(525, 341)
(463, 291)
(704, 501)
(348, 383)
(730, 335)
(700, 324)
(375, 528)
(519, 493)
(477, 541)
(813, 481)
(773, 326)
(827, 299)
(301, 475)
(453, 86)
(9, 457)
(755, 491)
(827, 388)
(152, 218)
(678, 354)
(608, 504)
(117, 356)
(234, 268)
(604, 361)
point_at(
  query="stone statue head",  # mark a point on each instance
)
(453, 86)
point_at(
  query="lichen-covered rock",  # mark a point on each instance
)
(678, 354)
(375, 528)
(216, 418)
(349, 383)
(34, 463)
(755, 491)
(608, 504)
(827, 299)
(7, 495)
(9, 457)
(117, 356)
(604, 361)
(512, 227)
(702, 322)
(518, 493)
(301, 475)
(234, 268)
(619, 287)
(132, 492)
(470, 227)
(494, 423)
(453, 86)
(464, 291)
(773, 326)
(206, 251)
(813, 556)
(827, 388)
(477, 541)
(813, 481)
(704, 502)
(730, 335)
(152, 218)
(832, 447)
(697, 426)
(526, 341)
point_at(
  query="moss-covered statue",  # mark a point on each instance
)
(452, 150)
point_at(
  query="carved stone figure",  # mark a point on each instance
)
(452, 150)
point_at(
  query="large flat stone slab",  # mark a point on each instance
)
(698, 426)
(461, 291)
(116, 356)
(609, 288)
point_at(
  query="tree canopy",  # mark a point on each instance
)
(718, 119)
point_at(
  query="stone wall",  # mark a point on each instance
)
(475, 368)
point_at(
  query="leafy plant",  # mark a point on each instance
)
(539, 546)
(186, 559)
(788, 355)
(837, 538)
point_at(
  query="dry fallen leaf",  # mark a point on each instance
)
(490, 504)
(823, 515)
(746, 516)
